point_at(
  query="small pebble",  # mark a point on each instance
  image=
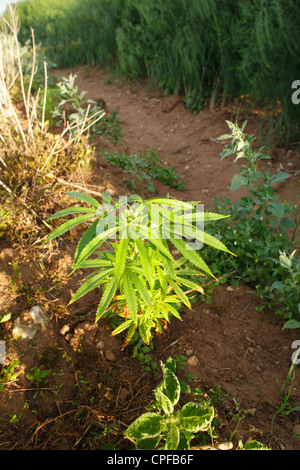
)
(64, 330)
(110, 356)
(251, 350)
(100, 345)
(229, 289)
(124, 393)
(188, 352)
(192, 361)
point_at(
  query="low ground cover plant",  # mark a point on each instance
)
(172, 425)
(143, 168)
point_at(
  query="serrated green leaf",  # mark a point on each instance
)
(126, 324)
(280, 176)
(162, 280)
(148, 444)
(141, 289)
(191, 255)
(195, 417)
(91, 283)
(130, 296)
(130, 333)
(106, 298)
(96, 263)
(72, 210)
(92, 246)
(121, 255)
(173, 310)
(67, 226)
(85, 198)
(180, 293)
(144, 332)
(190, 284)
(145, 260)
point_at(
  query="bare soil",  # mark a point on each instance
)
(90, 394)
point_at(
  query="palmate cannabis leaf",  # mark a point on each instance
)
(141, 282)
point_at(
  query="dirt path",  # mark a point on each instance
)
(239, 353)
(237, 348)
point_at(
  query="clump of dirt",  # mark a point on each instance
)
(72, 386)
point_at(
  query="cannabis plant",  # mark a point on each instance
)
(142, 283)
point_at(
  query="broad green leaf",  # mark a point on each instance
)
(170, 364)
(195, 417)
(145, 260)
(146, 426)
(255, 445)
(281, 176)
(85, 198)
(170, 385)
(237, 182)
(106, 298)
(291, 324)
(277, 209)
(173, 438)
(72, 210)
(148, 444)
(185, 439)
(286, 223)
(180, 293)
(163, 402)
(130, 296)
(67, 226)
(91, 284)
(191, 255)
(121, 256)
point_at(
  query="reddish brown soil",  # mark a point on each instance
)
(239, 350)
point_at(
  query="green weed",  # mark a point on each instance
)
(141, 281)
(259, 230)
(143, 169)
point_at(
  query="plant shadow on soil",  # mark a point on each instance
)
(90, 395)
